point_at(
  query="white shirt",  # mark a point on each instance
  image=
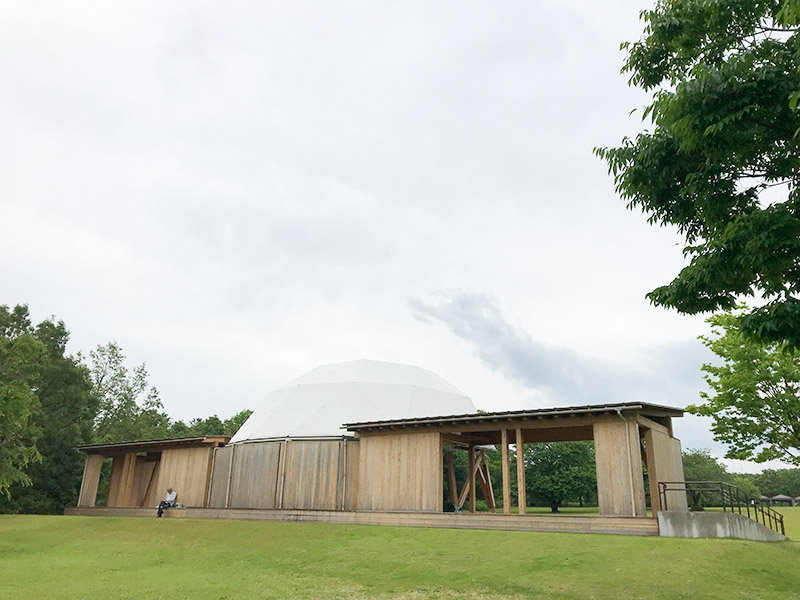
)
(170, 497)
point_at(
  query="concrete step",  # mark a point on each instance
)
(547, 523)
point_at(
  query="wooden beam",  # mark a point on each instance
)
(521, 501)
(650, 424)
(481, 479)
(488, 479)
(525, 424)
(462, 496)
(91, 479)
(506, 471)
(451, 473)
(472, 469)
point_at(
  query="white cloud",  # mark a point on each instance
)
(238, 192)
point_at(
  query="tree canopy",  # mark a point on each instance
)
(51, 402)
(20, 359)
(779, 481)
(722, 160)
(556, 472)
(755, 393)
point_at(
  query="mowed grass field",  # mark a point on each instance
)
(56, 557)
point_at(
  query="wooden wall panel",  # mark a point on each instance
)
(401, 472)
(220, 475)
(91, 478)
(187, 471)
(620, 484)
(351, 476)
(311, 475)
(255, 475)
(144, 483)
(125, 493)
(114, 481)
(668, 466)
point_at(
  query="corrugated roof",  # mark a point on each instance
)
(152, 445)
(643, 408)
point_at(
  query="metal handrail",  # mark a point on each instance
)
(733, 498)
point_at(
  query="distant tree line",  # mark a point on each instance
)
(51, 402)
(699, 465)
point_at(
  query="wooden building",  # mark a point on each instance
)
(294, 460)
(141, 471)
(400, 462)
(394, 465)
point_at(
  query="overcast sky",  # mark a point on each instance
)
(238, 192)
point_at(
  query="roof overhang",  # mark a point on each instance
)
(518, 416)
(116, 448)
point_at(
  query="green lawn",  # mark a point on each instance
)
(95, 557)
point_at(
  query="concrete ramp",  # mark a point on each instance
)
(714, 525)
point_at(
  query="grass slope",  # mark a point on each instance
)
(93, 557)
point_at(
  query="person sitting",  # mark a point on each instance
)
(168, 501)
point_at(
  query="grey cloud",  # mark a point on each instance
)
(670, 373)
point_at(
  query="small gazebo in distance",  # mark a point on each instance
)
(783, 499)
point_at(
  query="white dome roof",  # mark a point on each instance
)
(319, 402)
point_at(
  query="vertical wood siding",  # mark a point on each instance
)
(255, 474)
(220, 475)
(620, 483)
(667, 466)
(311, 475)
(316, 475)
(114, 481)
(351, 480)
(186, 470)
(401, 472)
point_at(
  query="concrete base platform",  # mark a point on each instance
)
(709, 524)
(554, 523)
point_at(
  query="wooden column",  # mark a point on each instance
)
(281, 477)
(664, 463)
(125, 494)
(521, 500)
(471, 482)
(486, 477)
(652, 473)
(506, 471)
(91, 479)
(620, 484)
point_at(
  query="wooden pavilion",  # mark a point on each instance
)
(141, 471)
(400, 461)
(392, 471)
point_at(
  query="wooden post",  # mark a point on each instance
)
(230, 477)
(279, 487)
(506, 471)
(91, 478)
(472, 478)
(652, 474)
(521, 501)
(451, 473)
